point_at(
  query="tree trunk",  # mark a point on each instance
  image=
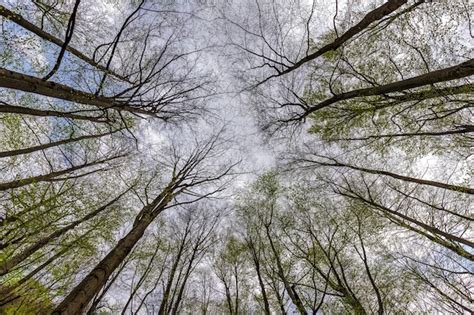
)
(51, 176)
(256, 262)
(374, 15)
(6, 266)
(433, 183)
(53, 144)
(164, 302)
(13, 109)
(296, 301)
(82, 294)
(459, 71)
(19, 20)
(185, 280)
(26, 83)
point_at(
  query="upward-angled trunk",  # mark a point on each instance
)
(53, 144)
(294, 298)
(83, 293)
(6, 266)
(4, 292)
(397, 176)
(374, 15)
(140, 281)
(399, 218)
(19, 20)
(98, 298)
(185, 280)
(166, 294)
(228, 296)
(26, 83)
(14, 109)
(256, 262)
(459, 71)
(51, 176)
(236, 277)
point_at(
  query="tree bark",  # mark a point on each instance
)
(82, 294)
(13, 109)
(374, 15)
(6, 266)
(50, 176)
(53, 144)
(459, 71)
(456, 188)
(26, 83)
(19, 20)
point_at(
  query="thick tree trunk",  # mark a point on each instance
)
(26, 83)
(459, 71)
(99, 297)
(82, 294)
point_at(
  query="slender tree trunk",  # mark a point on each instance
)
(141, 280)
(6, 266)
(228, 298)
(256, 262)
(433, 183)
(164, 302)
(157, 280)
(296, 301)
(5, 292)
(53, 144)
(398, 218)
(236, 277)
(459, 130)
(13, 109)
(19, 20)
(185, 280)
(51, 176)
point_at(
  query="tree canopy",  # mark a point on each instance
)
(236, 157)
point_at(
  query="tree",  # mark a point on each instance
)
(121, 130)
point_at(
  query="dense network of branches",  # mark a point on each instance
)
(130, 183)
